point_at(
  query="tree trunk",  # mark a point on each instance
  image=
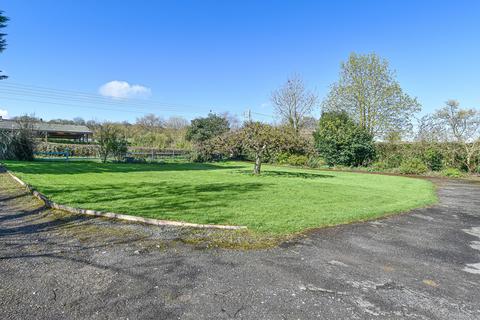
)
(470, 153)
(258, 164)
(104, 157)
(470, 164)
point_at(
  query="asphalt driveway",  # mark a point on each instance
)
(421, 265)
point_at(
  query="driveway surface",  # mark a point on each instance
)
(421, 265)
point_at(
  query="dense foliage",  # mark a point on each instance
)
(341, 141)
(111, 143)
(258, 142)
(203, 129)
(435, 155)
(461, 126)
(148, 131)
(413, 166)
(74, 150)
(207, 135)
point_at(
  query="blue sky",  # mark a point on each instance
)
(197, 56)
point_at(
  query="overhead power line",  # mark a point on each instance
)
(70, 105)
(77, 99)
(263, 114)
(21, 94)
(90, 97)
(83, 100)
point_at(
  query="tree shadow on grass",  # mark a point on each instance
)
(77, 167)
(289, 174)
(162, 199)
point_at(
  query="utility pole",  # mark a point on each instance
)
(248, 115)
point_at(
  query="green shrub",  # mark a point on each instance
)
(156, 140)
(436, 155)
(340, 141)
(315, 162)
(202, 154)
(291, 159)
(452, 173)
(204, 129)
(297, 160)
(111, 142)
(433, 159)
(413, 166)
(120, 149)
(23, 147)
(281, 158)
(76, 150)
(207, 151)
(379, 166)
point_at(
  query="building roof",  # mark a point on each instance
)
(47, 127)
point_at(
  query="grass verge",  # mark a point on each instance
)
(280, 202)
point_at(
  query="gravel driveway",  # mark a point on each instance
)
(420, 265)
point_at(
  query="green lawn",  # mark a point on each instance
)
(280, 201)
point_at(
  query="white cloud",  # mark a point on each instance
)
(123, 89)
(4, 114)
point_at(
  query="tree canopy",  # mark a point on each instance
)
(203, 129)
(370, 93)
(260, 140)
(111, 142)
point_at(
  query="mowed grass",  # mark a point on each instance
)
(281, 201)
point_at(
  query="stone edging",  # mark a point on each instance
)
(126, 217)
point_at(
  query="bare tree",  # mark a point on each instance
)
(233, 120)
(461, 126)
(310, 124)
(428, 130)
(150, 122)
(294, 103)
(176, 123)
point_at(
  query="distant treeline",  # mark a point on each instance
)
(148, 131)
